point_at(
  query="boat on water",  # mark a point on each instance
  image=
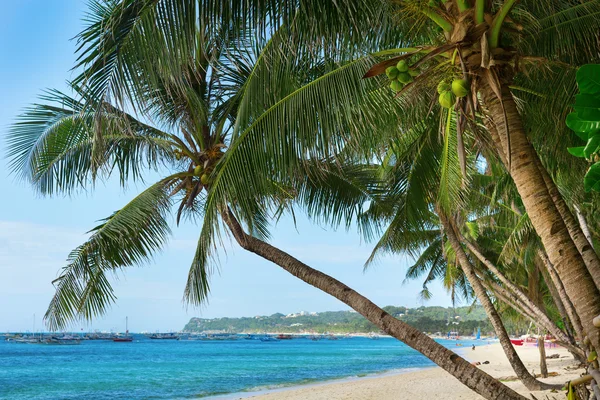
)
(284, 337)
(164, 336)
(125, 338)
(57, 341)
(23, 339)
(269, 339)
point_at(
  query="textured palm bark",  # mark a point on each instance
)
(501, 294)
(513, 358)
(571, 312)
(542, 349)
(560, 306)
(575, 229)
(544, 216)
(469, 375)
(539, 314)
(584, 226)
(510, 299)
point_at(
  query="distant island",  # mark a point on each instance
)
(464, 320)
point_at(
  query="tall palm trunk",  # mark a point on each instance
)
(560, 306)
(571, 312)
(584, 226)
(539, 314)
(575, 228)
(458, 367)
(544, 215)
(513, 358)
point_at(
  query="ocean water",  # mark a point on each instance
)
(169, 369)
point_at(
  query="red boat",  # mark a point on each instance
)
(284, 337)
(517, 342)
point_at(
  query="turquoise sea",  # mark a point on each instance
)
(170, 369)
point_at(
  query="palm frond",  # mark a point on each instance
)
(127, 238)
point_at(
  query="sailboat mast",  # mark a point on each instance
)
(126, 326)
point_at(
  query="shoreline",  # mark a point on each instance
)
(427, 382)
(293, 387)
(316, 384)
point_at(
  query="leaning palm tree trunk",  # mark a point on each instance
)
(570, 309)
(458, 367)
(540, 315)
(576, 231)
(510, 299)
(513, 358)
(584, 226)
(560, 306)
(540, 206)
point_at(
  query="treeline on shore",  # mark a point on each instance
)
(464, 320)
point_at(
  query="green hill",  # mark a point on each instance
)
(427, 319)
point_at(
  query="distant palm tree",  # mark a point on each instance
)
(245, 105)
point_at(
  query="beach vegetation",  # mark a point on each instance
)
(270, 108)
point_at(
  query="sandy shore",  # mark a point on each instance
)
(435, 383)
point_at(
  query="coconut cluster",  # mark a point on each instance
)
(400, 75)
(450, 91)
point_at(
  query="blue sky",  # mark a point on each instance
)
(37, 233)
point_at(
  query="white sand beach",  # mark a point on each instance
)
(435, 383)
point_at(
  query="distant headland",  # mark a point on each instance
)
(463, 320)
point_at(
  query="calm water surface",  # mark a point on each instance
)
(169, 369)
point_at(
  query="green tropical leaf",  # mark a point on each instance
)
(591, 181)
(588, 79)
(577, 151)
(128, 237)
(592, 144)
(582, 126)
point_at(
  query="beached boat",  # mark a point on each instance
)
(517, 342)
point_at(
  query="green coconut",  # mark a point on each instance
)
(443, 86)
(447, 99)
(198, 170)
(460, 87)
(391, 72)
(405, 77)
(402, 66)
(396, 86)
(204, 179)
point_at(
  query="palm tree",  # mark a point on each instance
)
(424, 174)
(215, 93)
(489, 44)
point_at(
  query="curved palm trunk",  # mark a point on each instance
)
(509, 298)
(555, 297)
(545, 217)
(458, 367)
(513, 358)
(571, 312)
(584, 245)
(584, 226)
(540, 315)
